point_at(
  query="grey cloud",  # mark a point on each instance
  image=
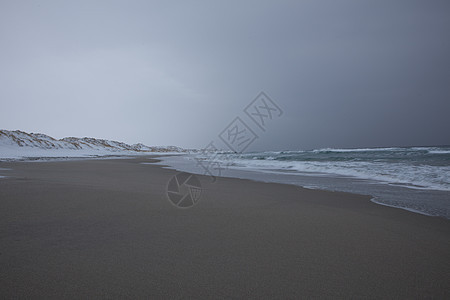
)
(347, 73)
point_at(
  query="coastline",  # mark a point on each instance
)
(105, 228)
(427, 202)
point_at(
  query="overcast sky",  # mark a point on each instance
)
(345, 73)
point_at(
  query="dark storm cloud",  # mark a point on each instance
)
(346, 73)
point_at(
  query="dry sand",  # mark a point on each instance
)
(104, 228)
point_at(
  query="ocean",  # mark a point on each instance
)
(413, 178)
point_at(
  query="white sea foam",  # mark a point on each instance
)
(401, 207)
(355, 150)
(396, 173)
(439, 152)
(433, 150)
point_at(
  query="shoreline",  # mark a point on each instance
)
(427, 202)
(105, 228)
(404, 208)
(158, 159)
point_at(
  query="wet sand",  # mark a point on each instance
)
(105, 228)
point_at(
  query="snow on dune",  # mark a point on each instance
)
(18, 145)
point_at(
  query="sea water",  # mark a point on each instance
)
(413, 178)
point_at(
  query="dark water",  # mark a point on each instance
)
(417, 179)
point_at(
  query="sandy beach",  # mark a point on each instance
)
(104, 228)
